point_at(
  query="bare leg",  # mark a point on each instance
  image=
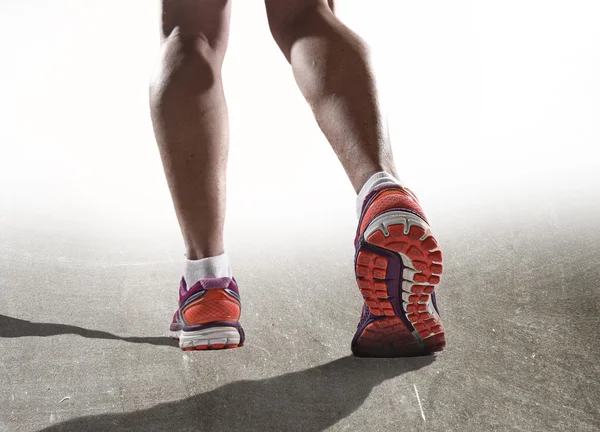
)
(190, 118)
(330, 63)
(332, 69)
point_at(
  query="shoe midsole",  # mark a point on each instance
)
(209, 336)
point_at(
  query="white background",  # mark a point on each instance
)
(485, 99)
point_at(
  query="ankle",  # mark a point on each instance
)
(361, 180)
(194, 253)
(375, 180)
(212, 267)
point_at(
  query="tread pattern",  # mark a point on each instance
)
(388, 335)
(371, 269)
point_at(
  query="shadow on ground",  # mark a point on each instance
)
(310, 400)
(14, 328)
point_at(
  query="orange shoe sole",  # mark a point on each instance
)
(398, 266)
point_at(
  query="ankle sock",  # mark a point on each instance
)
(212, 267)
(377, 179)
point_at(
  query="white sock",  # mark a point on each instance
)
(374, 181)
(212, 267)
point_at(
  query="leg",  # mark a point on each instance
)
(190, 119)
(331, 4)
(191, 125)
(397, 261)
(331, 66)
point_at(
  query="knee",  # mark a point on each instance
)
(190, 63)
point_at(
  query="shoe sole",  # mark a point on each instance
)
(398, 266)
(214, 338)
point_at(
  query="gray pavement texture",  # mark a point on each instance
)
(83, 321)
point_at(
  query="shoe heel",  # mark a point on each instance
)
(215, 305)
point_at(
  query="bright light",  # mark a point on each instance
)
(481, 96)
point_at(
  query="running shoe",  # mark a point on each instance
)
(208, 315)
(398, 264)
